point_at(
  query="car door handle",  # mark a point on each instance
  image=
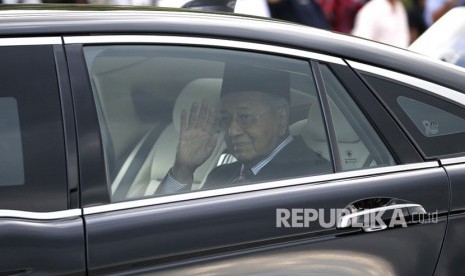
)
(373, 220)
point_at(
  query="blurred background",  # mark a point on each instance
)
(395, 22)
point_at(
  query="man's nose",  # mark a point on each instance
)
(235, 129)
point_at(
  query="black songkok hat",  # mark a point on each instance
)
(240, 77)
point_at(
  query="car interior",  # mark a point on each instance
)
(139, 102)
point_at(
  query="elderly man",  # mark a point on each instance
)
(254, 116)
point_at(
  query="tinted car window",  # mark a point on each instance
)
(442, 122)
(358, 143)
(436, 125)
(11, 157)
(141, 92)
(32, 162)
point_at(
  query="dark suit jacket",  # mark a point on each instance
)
(294, 160)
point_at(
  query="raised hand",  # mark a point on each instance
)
(196, 142)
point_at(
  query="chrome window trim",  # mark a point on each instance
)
(256, 187)
(186, 40)
(435, 89)
(452, 161)
(30, 41)
(58, 215)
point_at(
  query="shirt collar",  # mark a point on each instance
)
(259, 166)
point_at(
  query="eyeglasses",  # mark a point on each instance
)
(243, 120)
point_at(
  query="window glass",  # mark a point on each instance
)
(256, 118)
(32, 156)
(11, 150)
(436, 125)
(358, 143)
(429, 120)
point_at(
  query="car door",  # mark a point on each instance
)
(380, 210)
(451, 260)
(434, 117)
(41, 228)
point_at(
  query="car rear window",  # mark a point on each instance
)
(435, 124)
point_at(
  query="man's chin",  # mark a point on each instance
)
(243, 156)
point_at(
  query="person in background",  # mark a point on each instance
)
(434, 9)
(252, 7)
(306, 12)
(341, 13)
(416, 19)
(384, 21)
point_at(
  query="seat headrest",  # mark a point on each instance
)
(196, 91)
(344, 131)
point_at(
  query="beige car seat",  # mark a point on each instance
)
(353, 152)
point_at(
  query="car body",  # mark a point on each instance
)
(90, 109)
(445, 39)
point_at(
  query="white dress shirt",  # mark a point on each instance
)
(381, 21)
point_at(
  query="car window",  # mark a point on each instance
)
(441, 122)
(32, 158)
(358, 143)
(11, 159)
(142, 91)
(435, 124)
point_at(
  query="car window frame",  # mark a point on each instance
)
(93, 196)
(426, 90)
(388, 130)
(51, 46)
(358, 127)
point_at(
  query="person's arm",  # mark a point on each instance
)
(169, 185)
(197, 141)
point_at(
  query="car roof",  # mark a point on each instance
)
(41, 20)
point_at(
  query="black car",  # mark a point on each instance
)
(90, 109)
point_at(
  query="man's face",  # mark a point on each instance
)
(254, 129)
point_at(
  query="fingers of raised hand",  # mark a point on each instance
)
(203, 119)
(183, 120)
(203, 113)
(211, 120)
(193, 116)
(212, 143)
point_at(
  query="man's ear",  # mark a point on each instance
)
(283, 121)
